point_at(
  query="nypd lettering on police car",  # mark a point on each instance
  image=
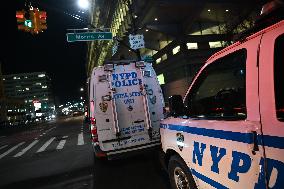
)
(240, 162)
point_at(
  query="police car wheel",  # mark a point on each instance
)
(180, 177)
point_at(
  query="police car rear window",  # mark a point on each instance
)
(278, 77)
(219, 92)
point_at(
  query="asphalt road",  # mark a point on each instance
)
(59, 154)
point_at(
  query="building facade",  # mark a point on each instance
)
(179, 35)
(34, 89)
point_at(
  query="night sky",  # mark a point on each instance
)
(49, 51)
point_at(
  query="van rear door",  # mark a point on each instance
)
(126, 107)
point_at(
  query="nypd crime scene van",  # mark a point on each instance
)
(126, 107)
(227, 132)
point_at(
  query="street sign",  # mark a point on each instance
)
(88, 36)
(136, 41)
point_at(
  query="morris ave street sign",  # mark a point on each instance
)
(88, 36)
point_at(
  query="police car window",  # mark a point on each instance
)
(278, 77)
(219, 92)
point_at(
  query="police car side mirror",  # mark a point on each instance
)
(176, 106)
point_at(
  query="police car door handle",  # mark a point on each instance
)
(255, 142)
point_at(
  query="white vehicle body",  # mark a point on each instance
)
(245, 148)
(126, 107)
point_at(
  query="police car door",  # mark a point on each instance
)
(271, 87)
(220, 139)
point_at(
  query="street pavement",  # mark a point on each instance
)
(59, 154)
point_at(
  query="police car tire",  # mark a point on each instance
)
(177, 162)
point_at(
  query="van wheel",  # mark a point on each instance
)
(180, 177)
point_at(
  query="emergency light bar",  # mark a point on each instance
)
(270, 7)
(140, 64)
(271, 13)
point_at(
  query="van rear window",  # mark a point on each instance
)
(278, 77)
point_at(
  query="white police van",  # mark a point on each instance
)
(228, 130)
(126, 107)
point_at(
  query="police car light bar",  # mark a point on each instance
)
(139, 64)
(270, 7)
(109, 67)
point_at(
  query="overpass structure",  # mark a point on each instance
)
(179, 34)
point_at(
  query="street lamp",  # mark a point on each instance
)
(84, 4)
(81, 89)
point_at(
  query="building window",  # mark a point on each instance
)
(27, 89)
(176, 50)
(216, 44)
(44, 87)
(158, 60)
(41, 75)
(161, 79)
(164, 57)
(14, 77)
(38, 84)
(191, 45)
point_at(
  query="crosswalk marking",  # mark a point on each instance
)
(3, 147)
(46, 144)
(21, 152)
(11, 150)
(80, 139)
(61, 143)
(26, 149)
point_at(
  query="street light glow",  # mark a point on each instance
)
(84, 4)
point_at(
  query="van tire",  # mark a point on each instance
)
(179, 174)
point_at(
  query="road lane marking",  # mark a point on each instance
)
(61, 144)
(26, 149)
(11, 150)
(80, 139)
(46, 145)
(3, 147)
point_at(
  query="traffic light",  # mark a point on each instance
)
(33, 21)
(42, 20)
(39, 20)
(20, 15)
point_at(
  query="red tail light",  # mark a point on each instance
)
(94, 132)
(93, 121)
